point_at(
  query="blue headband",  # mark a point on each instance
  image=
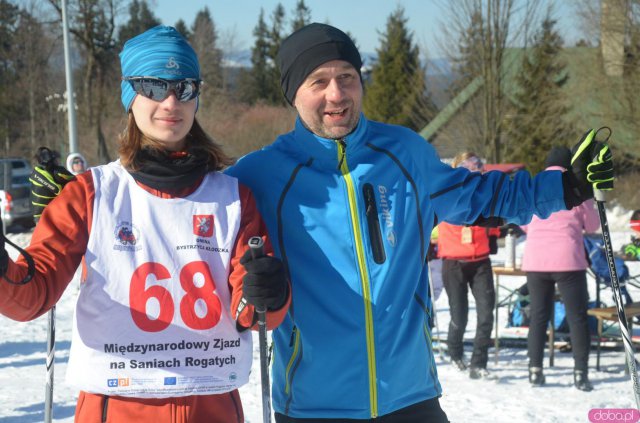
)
(160, 52)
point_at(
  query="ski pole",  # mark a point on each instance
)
(617, 296)
(51, 355)
(46, 159)
(255, 244)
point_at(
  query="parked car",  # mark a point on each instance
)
(15, 192)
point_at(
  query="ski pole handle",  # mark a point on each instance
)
(255, 244)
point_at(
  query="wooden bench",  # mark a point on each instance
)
(611, 314)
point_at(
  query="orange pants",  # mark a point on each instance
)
(221, 408)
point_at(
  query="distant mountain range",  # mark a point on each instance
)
(242, 59)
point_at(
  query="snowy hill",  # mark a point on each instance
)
(511, 399)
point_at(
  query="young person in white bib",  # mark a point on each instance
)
(168, 282)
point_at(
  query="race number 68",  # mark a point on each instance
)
(139, 295)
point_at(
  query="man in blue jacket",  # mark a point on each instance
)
(350, 204)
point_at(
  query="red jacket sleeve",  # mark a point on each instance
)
(251, 224)
(58, 243)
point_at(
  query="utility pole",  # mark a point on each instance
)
(71, 109)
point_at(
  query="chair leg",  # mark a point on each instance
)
(496, 340)
(630, 324)
(598, 344)
(552, 336)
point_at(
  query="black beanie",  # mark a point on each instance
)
(559, 156)
(309, 47)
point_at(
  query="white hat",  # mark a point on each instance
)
(71, 157)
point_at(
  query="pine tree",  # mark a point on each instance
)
(181, 27)
(301, 16)
(203, 39)
(397, 91)
(141, 18)
(262, 83)
(468, 63)
(254, 83)
(540, 113)
(276, 35)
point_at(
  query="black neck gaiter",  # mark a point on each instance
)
(159, 170)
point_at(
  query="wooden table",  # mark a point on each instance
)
(611, 314)
(497, 272)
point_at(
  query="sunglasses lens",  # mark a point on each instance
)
(153, 89)
(186, 90)
(159, 89)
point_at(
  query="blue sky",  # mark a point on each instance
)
(364, 19)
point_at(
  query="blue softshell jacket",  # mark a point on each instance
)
(351, 220)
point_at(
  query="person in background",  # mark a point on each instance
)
(631, 250)
(554, 254)
(168, 288)
(76, 163)
(435, 266)
(350, 204)
(464, 251)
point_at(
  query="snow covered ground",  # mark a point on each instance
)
(510, 399)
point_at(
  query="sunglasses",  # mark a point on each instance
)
(158, 89)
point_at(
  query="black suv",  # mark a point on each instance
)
(15, 191)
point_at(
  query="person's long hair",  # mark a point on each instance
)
(132, 140)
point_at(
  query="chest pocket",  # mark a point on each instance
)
(373, 224)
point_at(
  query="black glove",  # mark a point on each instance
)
(432, 252)
(265, 283)
(591, 168)
(488, 222)
(46, 185)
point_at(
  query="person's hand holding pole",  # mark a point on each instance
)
(47, 180)
(265, 286)
(591, 168)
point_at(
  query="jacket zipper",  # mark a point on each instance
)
(364, 276)
(375, 235)
(428, 339)
(292, 366)
(294, 342)
(432, 366)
